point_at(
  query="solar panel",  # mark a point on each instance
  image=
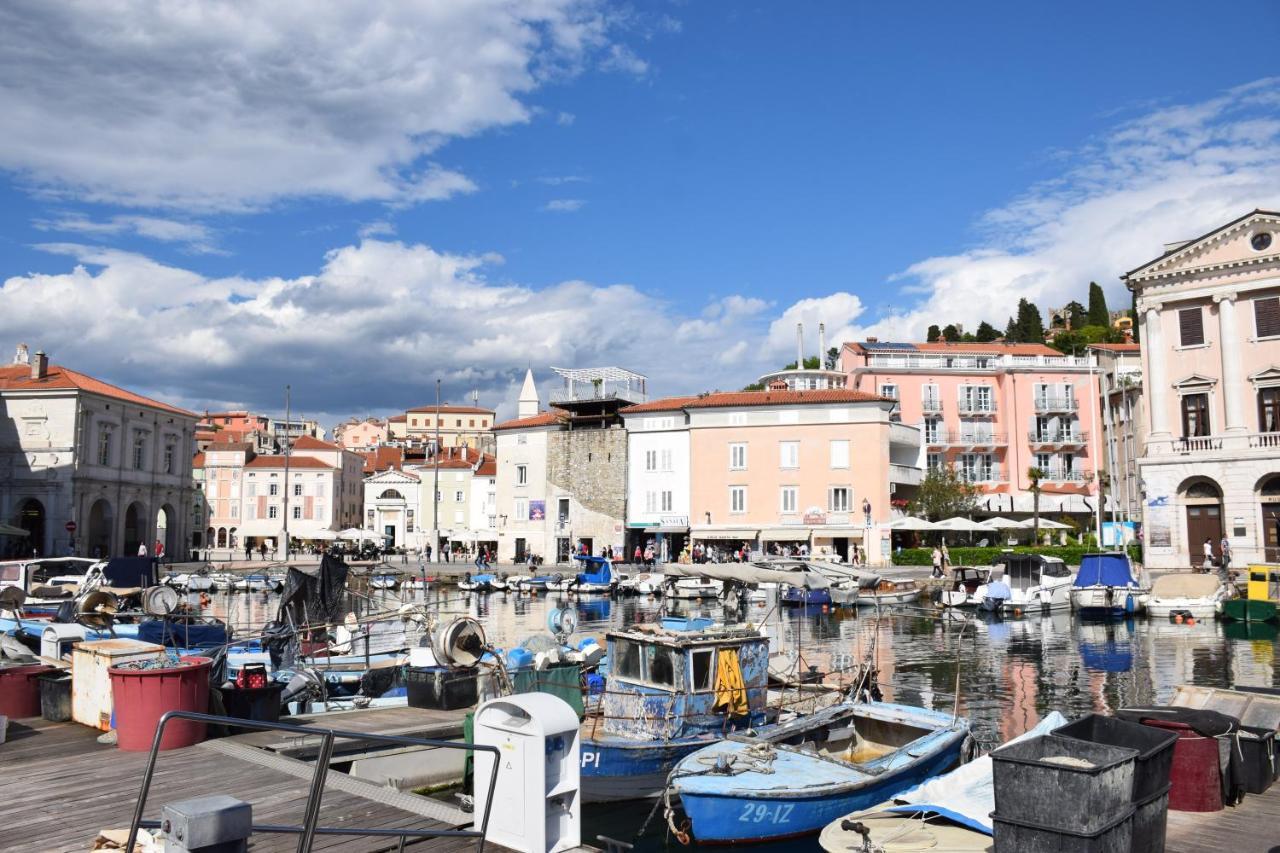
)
(890, 346)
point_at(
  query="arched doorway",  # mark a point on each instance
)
(167, 530)
(1203, 502)
(135, 529)
(1269, 498)
(31, 519)
(97, 537)
(222, 537)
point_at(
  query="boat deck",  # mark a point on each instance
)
(1251, 827)
(60, 787)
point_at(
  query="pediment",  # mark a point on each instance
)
(1195, 382)
(391, 475)
(1228, 246)
(1269, 376)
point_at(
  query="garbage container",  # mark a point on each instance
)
(261, 704)
(1257, 758)
(143, 695)
(55, 696)
(1060, 783)
(1024, 836)
(20, 690)
(1198, 781)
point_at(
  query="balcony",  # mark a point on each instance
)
(599, 384)
(965, 439)
(977, 407)
(980, 473)
(931, 406)
(905, 475)
(1066, 475)
(1056, 404)
(970, 363)
(1232, 443)
(1058, 438)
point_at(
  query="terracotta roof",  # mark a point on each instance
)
(17, 377)
(1117, 347)
(721, 399)
(382, 458)
(666, 404)
(397, 419)
(488, 468)
(539, 420)
(197, 461)
(451, 410)
(206, 434)
(308, 442)
(294, 462)
(229, 445)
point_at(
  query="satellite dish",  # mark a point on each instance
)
(562, 620)
(160, 601)
(460, 643)
(12, 598)
(97, 610)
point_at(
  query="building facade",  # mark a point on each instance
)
(89, 468)
(1124, 426)
(361, 433)
(1209, 312)
(993, 411)
(658, 470)
(458, 426)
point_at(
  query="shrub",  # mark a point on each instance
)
(1069, 554)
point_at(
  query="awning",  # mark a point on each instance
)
(838, 532)
(670, 528)
(726, 533)
(785, 534)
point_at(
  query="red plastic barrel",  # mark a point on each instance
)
(142, 696)
(20, 690)
(1196, 775)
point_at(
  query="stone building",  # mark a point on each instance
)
(89, 468)
(1124, 426)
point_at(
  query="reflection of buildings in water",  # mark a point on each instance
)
(1021, 681)
(1172, 650)
(1253, 662)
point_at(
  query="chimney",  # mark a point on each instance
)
(822, 343)
(22, 355)
(40, 366)
(799, 346)
(873, 340)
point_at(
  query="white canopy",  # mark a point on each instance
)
(959, 524)
(1046, 524)
(912, 523)
(326, 535)
(1001, 523)
(356, 534)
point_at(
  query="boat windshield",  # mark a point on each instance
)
(10, 573)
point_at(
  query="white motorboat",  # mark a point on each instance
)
(692, 588)
(487, 582)
(1030, 583)
(641, 583)
(1106, 586)
(415, 584)
(962, 591)
(384, 581)
(1188, 594)
(888, 592)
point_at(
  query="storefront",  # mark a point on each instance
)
(668, 537)
(838, 541)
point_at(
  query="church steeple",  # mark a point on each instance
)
(528, 404)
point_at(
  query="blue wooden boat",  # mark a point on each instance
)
(660, 703)
(596, 577)
(795, 778)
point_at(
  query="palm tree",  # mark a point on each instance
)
(1035, 475)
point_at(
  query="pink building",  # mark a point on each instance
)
(361, 433)
(993, 411)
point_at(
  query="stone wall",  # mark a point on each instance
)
(591, 466)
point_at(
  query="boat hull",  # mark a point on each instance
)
(1199, 608)
(1106, 601)
(614, 770)
(1249, 610)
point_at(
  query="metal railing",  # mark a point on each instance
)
(931, 405)
(965, 439)
(1061, 475)
(311, 816)
(1058, 437)
(979, 473)
(977, 407)
(1056, 404)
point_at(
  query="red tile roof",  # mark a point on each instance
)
(539, 420)
(197, 461)
(229, 445)
(206, 435)
(382, 458)
(1117, 347)
(488, 468)
(451, 410)
(17, 377)
(396, 419)
(666, 404)
(294, 462)
(307, 442)
(992, 348)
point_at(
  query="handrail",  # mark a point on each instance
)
(309, 829)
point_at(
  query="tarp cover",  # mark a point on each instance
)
(999, 589)
(130, 571)
(1186, 585)
(182, 635)
(967, 794)
(314, 595)
(746, 573)
(1105, 570)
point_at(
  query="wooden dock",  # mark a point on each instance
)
(59, 787)
(1251, 827)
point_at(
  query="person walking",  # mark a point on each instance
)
(937, 562)
(1208, 556)
(428, 550)
(638, 556)
(1224, 552)
(142, 549)
(946, 557)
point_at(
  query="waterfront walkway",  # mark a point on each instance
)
(1251, 827)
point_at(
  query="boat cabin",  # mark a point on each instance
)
(1023, 571)
(594, 569)
(30, 575)
(663, 679)
(967, 579)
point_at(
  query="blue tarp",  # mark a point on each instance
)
(1105, 570)
(600, 569)
(999, 589)
(182, 635)
(126, 572)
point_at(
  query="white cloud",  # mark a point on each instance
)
(222, 105)
(564, 205)
(1171, 174)
(380, 228)
(198, 238)
(565, 119)
(621, 58)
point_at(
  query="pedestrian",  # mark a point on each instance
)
(946, 557)
(937, 562)
(428, 550)
(158, 550)
(529, 561)
(262, 550)
(866, 511)
(1208, 555)
(248, 552)
(639, 555)
(1224, 550)
(142, 549)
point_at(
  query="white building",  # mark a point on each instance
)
(392, 501)
(77, 452)
(658, 477)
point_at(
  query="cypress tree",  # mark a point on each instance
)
(950, 333)
(986, 333)
(1098, 314)
(1030, 325)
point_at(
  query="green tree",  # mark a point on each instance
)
(986, 333)
(950, 333)
(1077, 317)
(1098, 314)
(1035, 475)
(933, 334)
(811, 362)
(1029, 326)
(1133, 314)
(943, 493)
(833, 358)
(754, 386)
(1011, 331)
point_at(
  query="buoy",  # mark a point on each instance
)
(1017, 611)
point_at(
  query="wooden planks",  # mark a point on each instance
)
(400, 721)
(1251, 827)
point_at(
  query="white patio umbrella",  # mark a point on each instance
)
(1002, 523)
(1046, 524)
(326, 535)
(912, 523)
(963, 525)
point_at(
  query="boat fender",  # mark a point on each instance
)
(1129, 604)
(968, 749)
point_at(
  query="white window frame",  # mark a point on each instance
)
(664, 459)
(273, 511)
(783, 453)
(737, 500)
(522, 475)
(840, 460)
(738, 448)
(651, 460)
(789, 500)
(666, 501)
(833, 505)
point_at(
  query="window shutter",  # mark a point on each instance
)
(1191, 324)
(1266, 315)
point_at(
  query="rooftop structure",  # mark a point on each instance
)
(801, 378)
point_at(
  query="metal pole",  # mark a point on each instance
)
(1097, 457)
(435, 494)
(287, 413)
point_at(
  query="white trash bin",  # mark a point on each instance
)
(537, 805)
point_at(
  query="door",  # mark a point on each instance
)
(1204, 521)
(520, 552)
(840, 545)
(1271, 532)
(390, 530)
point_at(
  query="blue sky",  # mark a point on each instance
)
(357, 203)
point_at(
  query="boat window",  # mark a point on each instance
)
(628, 665)
(703, 668)
(1054, 569)
(661, 669)
(11, 573)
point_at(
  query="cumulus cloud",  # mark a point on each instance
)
(380, 228)
(370, 330)
(1173, 173)
(197, 238)
(222, 105)
(564, 205)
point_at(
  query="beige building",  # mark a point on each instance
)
(1124, 427)
(459, 426)
(1210, 331)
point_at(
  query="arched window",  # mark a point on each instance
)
(1203, 490)
(391, 495)
(1271, 488)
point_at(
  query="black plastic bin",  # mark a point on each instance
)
(1154, 746)
(1150, 818)
(441, 688)
(1037, 782)
(55, 696)
(1258, 754)
(261, 704)
(1025, 836)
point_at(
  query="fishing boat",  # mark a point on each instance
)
(486, 582)
(384, 580)
(641, 583)
(1106, 586)
(1262, 597)
(596, 577)
(962, 591)
(797, 777)
(673, 688)
(1199, 596)
(887, 592)
(532, 583)
(691, 588)
(257, 582)
(1030, 583)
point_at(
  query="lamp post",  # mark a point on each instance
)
(435, 493)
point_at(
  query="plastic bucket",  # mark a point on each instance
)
(1258, 764)
(1154, 746)
(1024, 836)
(55, 696)
(1196, 775)
(1063, 784)
(261, 704)
(142, 696)
(20, 690)
(1150, 818)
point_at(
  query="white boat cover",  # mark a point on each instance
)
(967, 794)
(746, 573)
(1186, 585)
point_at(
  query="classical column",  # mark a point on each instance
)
(1229, 347)
(1156, 387)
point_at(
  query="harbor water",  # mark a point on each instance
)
(1002, 675)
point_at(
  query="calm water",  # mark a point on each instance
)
(1009, 673)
